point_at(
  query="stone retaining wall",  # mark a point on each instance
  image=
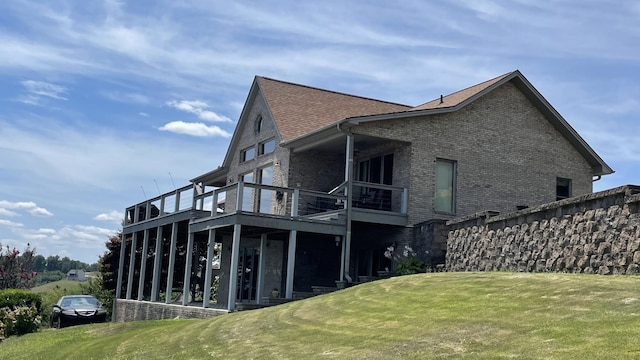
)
(595, 233)
(131, 310)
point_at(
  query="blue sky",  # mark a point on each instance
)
(102, 102)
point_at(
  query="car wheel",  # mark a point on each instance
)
(59, 323)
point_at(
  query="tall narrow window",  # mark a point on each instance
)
(563, 188)
(258, 124)
(265, 177)
(444, 199)
(248, 192)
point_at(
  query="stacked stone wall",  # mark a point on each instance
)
(132, 310)
(595, 233)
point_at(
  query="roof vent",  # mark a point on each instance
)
(441, 99)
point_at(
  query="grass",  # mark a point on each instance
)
(425, 316)
(71, 287)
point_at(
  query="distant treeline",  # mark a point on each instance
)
(55, 263)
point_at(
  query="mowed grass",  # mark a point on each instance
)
(425, 316)
(72, 287)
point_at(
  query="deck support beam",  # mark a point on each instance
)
(211, 244)
(291, 263)
(123, 247)
(132, 263)
(261, 265)
(172, 262)
(186, 289)
(143, 264)
(233, 267)
(157, 265)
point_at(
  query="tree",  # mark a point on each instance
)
(108, 262)
(16, 271)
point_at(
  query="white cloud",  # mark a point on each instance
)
(195, 129)
(113, 216)
(40, 212)
(198, 108)
(10, 224)
(130, 98)
(41, 88)
(5, 212)
(143, 114)
(31, 207)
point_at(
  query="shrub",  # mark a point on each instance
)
(19, 312)
(410, 265)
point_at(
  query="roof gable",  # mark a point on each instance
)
(299, 110)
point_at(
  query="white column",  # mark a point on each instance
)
(132, 263)
(233, 268)
(187, 270)
(143, 264)
(207, 276)
(157, 265)
(261, 264)
(123, 247)
(172, 262)
(291, 262)
(342, 254)
(348, 173)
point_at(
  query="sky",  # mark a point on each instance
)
(104, 104)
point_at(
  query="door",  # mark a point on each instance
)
(247, 274)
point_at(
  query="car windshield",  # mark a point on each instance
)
(80, 301)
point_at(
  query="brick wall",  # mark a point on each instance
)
(507, 154)
(595, 233)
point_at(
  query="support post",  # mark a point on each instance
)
(186, 289)
(348, 173)
(172, 262)
(132, 263)
(342, 249)
(291, 262)
(207, 276)
(123, 247)
(143, 264)
(157, 265)
(261, 264)
(233, 268)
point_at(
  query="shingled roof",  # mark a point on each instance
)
(299, 110)
(458, 97)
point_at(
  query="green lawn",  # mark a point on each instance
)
(426, 316)
(66, 286)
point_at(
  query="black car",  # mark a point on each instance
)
(77, 309)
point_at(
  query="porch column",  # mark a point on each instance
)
(207, 276)
(348, 174)
(233, 268)
(132, 263)
(143, 264)
(291, 262)
(261, 264)
(342, 249)
(123, 247)
(187, 270)
(172, 262)
(157, 265)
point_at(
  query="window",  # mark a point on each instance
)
(563, 188)
(377, 170)
(258, 124)
(267, 147)
(248, 154)
(247, 193)
(265, 177)
(445, 187)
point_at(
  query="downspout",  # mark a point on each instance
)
(348, 175)
(597, 178)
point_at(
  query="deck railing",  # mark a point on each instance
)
(269, 200)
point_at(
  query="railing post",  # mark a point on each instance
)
(239, 196)
(177, 207)
(294, 202)
(214, 206)
(405, 201)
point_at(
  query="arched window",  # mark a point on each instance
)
(258, 124)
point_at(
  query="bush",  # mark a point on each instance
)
(14, 298)
(19, 312)
(410, 265)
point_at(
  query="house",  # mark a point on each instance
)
(76, 275)
(318, 186)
